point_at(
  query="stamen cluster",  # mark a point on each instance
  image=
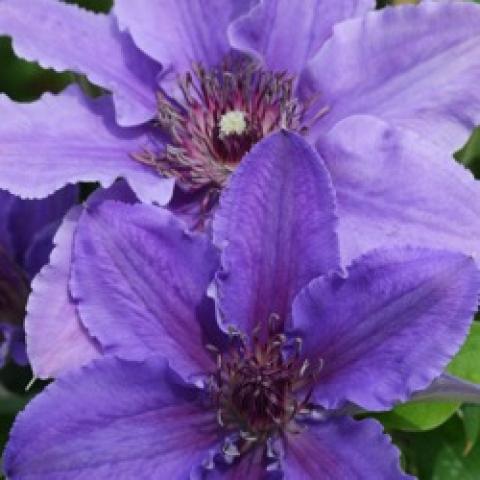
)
(260, 387)
(205, 146)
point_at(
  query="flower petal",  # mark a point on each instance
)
(140, 280)
(267, 31)
(12, 344)
(56, 340)
(395, 188)
(415, 66)
(178, 33)
(342, 448)
(38, 252)
(276, 224)
(366, 326)
(28, 218)
(7, 201)
(67, 138)
(112, 419)
(448, 388)
(90, 44)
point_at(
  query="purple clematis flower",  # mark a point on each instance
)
(256, 385)
(26, 231)
(194, 84)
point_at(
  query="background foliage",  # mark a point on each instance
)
(438, 441)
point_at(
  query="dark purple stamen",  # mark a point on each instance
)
(261, 386)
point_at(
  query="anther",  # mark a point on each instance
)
(211, 348)
(220, 418)
(248, 437)
(208, 463)
(230, 450)
(273, 322)
(304, 367)
(298, 345)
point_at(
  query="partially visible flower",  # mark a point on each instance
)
(26, 231)
(181, 71)
(263, 396)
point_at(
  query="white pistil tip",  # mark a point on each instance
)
(232, 122)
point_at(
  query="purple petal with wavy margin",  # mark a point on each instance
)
(276, 225)
(366, 325)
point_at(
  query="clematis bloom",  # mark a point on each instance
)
(256, 385)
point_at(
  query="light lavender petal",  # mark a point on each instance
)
(178, 33)
(66, 37)
(395, 188)
(56, 339)
(268, 33)
(415, 66)
(66, 139)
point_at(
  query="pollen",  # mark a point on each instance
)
(232, 123)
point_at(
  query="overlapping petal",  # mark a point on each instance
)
(415, 66)
(67, 37)
(34, 221)
(449, 388)
(395, 188)
(178, 33)
(366, 326)
(276, 225)
(268, 33)
(7, 202)
(342, 448)
(140, 282)
(56, 339)
(112, 419)
(12, 344)
(67, 138)
(38, 252)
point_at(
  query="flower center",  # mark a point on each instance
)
(260, 387)
(222, 114)
(232, 123)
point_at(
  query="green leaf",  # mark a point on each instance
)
(471, 423)
(466, 363)
(11, 403)
(452, 463)
(440, 454)
(6, 422)
(469, 155)
(420, 416)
